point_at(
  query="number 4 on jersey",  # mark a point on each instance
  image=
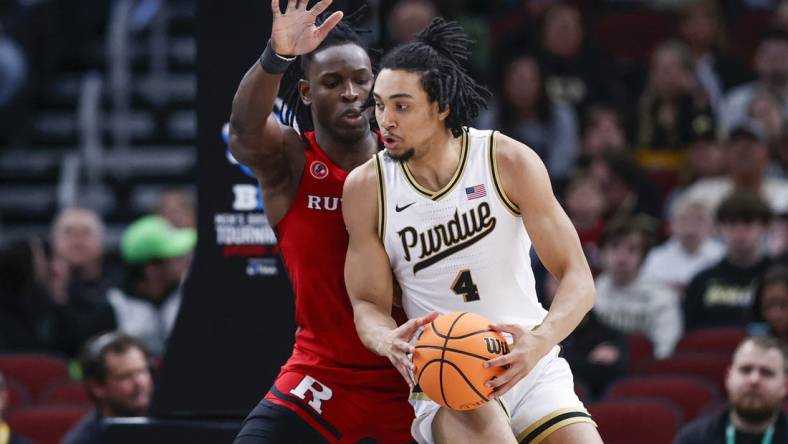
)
(463, 285)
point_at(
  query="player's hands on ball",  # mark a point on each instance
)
(294, 32)
(396, 346)
(526, 351)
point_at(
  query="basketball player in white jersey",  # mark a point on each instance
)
(451, 212)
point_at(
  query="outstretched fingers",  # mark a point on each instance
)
(321, 6)
(328, 25)
(291, 5)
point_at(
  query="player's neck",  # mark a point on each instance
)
(347, 155)
(436, 161)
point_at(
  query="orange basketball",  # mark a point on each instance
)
(449, 357)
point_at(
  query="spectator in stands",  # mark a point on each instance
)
(574, 73)
(157, 256)
(771, 66)
(602, 131)
(528, 114)
(779, 164)
(177, 206)
(770, 309)
(756, 386)
(689, 249)
(705, 158)
(722, 295)
(516, 23)
(628, 302)
(408, 18)
(78, 241)
(672, 103)
(777, 243)
(30, 318)
(584, 202)
(747, 157)
(702, 29)
(627, 190)
(597, 353)
(25, 304)
(117, 377)
(766, 111)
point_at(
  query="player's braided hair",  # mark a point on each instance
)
(294, 109)
(438, 53)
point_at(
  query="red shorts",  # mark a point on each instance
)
(345, 413)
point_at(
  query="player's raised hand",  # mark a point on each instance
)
(525, 352)
(294, 32)
(396, 346)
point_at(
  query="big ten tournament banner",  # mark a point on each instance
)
(235, 327)
(244, 231)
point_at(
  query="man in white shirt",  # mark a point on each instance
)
(626, 300)
(690, 248)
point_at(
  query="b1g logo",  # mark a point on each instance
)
(320, 392)
(318, 169)
(246, 198)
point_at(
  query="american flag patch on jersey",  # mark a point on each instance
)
(475, 192)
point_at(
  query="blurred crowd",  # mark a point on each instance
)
(56, 293)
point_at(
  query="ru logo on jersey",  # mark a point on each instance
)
(318, 169)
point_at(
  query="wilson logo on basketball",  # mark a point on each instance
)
(318, 169)
(496, 346)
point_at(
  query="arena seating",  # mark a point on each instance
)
(712, 340)
(640, 351)
(691, 395)
(651, 421)
(36, 372)
(711, 367)
(45, 424)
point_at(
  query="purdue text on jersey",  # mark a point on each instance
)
(443, 240)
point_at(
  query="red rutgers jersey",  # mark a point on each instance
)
(313, 242)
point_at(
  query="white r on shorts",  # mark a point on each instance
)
(541, 403)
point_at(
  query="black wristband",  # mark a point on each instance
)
(273, 63)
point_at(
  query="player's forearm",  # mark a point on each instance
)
(252, 105)
(573, 299)
(373, 325)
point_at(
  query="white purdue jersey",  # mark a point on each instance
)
(462, 248)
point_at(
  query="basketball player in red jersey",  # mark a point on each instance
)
(331, 389)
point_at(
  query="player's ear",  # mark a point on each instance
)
(305, 91)
(442, 115)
